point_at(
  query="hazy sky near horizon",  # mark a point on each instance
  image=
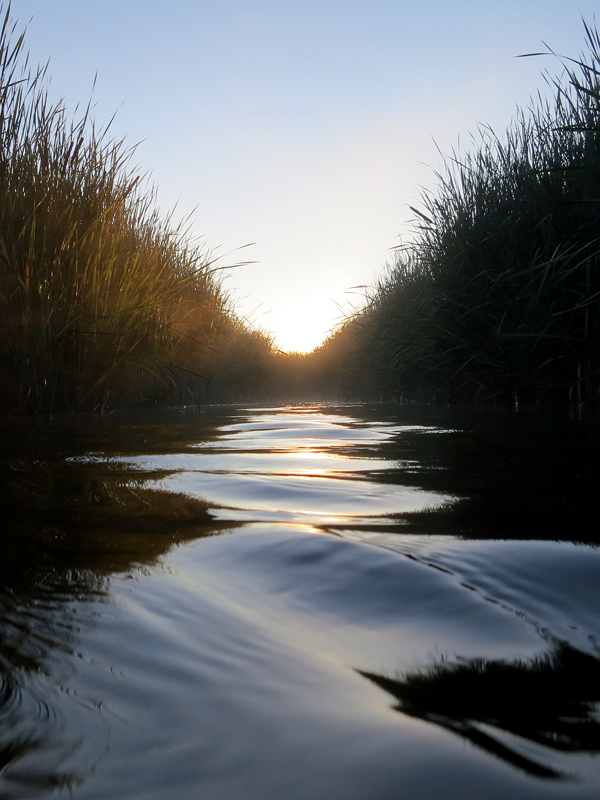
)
(306, 127)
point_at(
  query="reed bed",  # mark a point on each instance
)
(497, 295)
(102, 301)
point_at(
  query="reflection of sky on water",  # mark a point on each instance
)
(505, 707)
(287, 466)
(301, 462)
(295, 432)
(302, 494)
(143, 655)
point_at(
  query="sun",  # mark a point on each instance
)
(301, 326)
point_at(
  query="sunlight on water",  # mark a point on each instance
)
(306, 603)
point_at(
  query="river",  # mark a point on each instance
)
(308, 603)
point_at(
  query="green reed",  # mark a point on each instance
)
(102, 301)
(498, 292)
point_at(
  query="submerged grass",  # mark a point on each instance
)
(101, 300)
(498, 293)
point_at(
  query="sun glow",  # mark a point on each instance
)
(303, 325)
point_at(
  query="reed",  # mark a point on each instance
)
(498, 292)
(102, 301)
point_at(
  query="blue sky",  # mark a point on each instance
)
(306, 127)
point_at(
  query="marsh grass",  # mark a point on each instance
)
(102, 301)
(497, 295)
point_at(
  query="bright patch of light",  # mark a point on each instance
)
(302, 325)
(312, 454)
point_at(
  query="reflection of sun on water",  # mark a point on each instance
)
(316, 455)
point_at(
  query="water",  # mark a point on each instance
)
(310, 603)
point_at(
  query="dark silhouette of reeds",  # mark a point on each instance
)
(498, 293)
(550, 701)
(102, 301)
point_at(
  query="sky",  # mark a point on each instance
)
(305, 128)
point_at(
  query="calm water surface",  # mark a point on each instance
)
(301, 602)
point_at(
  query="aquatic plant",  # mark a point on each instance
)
(498, 292)
(102, 301)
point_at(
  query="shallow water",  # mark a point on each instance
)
(311, 603)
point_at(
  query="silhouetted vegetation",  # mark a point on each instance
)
(498, 293)
(102, 302)
(550, 701)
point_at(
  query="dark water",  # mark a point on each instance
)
(308, 603)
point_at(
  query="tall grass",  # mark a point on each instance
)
(498, 293)
(102, 301)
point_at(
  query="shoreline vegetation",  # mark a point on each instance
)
(104, 304)
(497, 295)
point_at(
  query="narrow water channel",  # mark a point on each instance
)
(301, 602)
